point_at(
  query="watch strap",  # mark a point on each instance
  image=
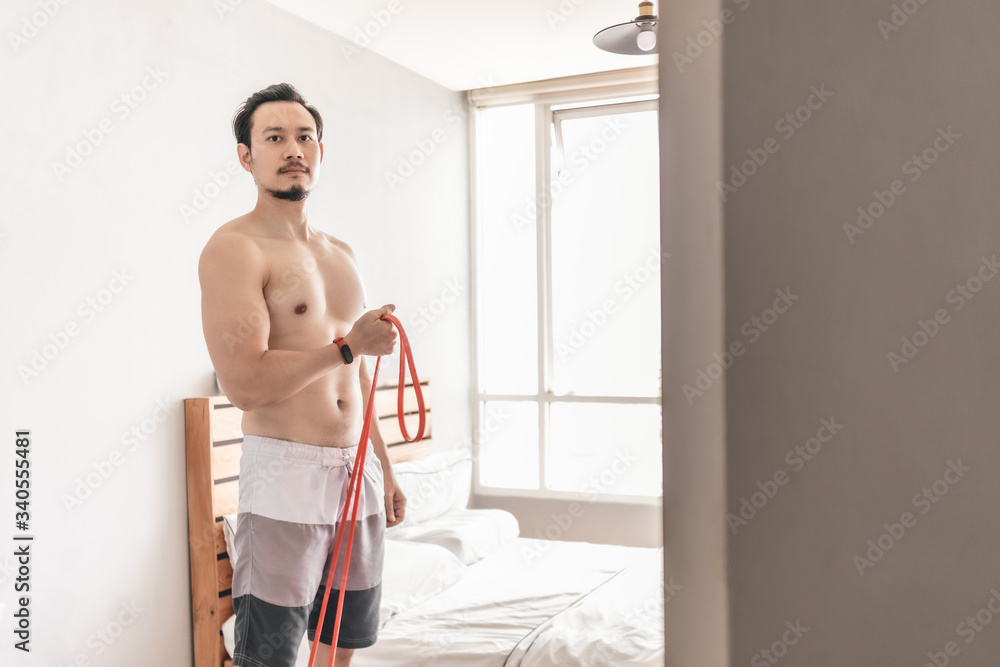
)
(345, 350)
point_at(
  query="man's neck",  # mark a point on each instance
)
(283, 216)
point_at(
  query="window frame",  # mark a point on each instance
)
(554, 100)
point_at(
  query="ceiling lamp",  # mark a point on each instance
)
(635, 38)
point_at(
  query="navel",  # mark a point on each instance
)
(301, 308)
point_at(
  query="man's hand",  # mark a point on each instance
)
(395, 503)
(371, 334)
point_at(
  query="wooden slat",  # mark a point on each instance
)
(226, 423)
(388, 427)
(226, 461)
(387, 399)
(204, 594)
(225, 610)
(407, 450)
(220, 538)
(225, 497)
(224, 568)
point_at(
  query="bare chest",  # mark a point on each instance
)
(312, 293)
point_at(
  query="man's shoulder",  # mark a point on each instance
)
(232, 240)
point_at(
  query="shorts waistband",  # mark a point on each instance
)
(289, 450)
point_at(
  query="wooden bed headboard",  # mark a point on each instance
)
(214, 442)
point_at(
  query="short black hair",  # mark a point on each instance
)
(278, 92)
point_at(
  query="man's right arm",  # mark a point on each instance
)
(236, 323)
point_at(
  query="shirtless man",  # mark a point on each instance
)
(276, 295)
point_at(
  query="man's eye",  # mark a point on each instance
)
(273, 136)
(306, 137)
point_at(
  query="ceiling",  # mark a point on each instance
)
(462, 45)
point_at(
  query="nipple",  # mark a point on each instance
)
(301, 308)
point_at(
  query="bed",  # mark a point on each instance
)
(460, 587)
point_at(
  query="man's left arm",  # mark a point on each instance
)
(395, 501)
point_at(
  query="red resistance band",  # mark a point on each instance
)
(354, 488)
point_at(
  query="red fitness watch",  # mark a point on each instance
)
(345, 350)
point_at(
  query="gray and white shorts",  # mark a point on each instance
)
(291, 498)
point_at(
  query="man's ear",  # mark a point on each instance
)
(243, 152)
(321, 152)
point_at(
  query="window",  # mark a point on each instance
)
(567, 283)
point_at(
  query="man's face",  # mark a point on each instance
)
(284, 155)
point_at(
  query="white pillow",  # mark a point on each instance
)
(434, 485)
(469, 534)
(414, 572)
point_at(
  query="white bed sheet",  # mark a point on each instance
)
(480, 620)
(618, 623)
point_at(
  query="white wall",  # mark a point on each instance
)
(119, 212)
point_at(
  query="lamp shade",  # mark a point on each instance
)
(625, 39)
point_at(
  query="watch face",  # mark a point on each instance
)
(346, 351)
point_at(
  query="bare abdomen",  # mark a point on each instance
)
(327, 413)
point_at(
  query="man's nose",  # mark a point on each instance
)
(293, 149)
